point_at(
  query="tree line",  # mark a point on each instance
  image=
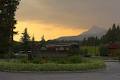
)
(26, 42)
(111, 36)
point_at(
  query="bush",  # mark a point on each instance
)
(37, 60)
(24, 60)
(74, 59)
(66, 60)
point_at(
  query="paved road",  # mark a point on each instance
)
(111, 73)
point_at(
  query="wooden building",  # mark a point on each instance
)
(114, 49)
(55, 50)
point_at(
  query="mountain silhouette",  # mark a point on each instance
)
(92, 32)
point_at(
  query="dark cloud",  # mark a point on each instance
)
(72, 13)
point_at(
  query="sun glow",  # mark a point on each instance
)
(48, 30)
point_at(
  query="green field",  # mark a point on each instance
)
(92, 50)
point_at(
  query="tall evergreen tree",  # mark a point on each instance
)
(33, 39)
(7, 23)
(33, 42)
(118, 33)
(25, 39)
(42, 42)
(112, 35)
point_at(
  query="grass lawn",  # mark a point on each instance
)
(92, 50)
(87, 64)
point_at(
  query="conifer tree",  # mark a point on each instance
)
(25, 39)
(7, 23)
(112, 35)
(42, 42)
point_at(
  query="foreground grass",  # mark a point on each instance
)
(88, 65)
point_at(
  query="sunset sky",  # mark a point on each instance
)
(55, 18)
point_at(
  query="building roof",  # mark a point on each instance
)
(114, 46)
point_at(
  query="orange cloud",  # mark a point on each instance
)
(50, 31)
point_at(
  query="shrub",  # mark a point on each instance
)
(74, 59)
(38, 60)
(66, 60)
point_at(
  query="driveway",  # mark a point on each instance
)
(112, 72)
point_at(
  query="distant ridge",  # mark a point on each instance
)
(92, 32)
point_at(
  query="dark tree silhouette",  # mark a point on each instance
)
(112, 35)
(91, 41)
(42, 42)
(7, 23)
(25, 39)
